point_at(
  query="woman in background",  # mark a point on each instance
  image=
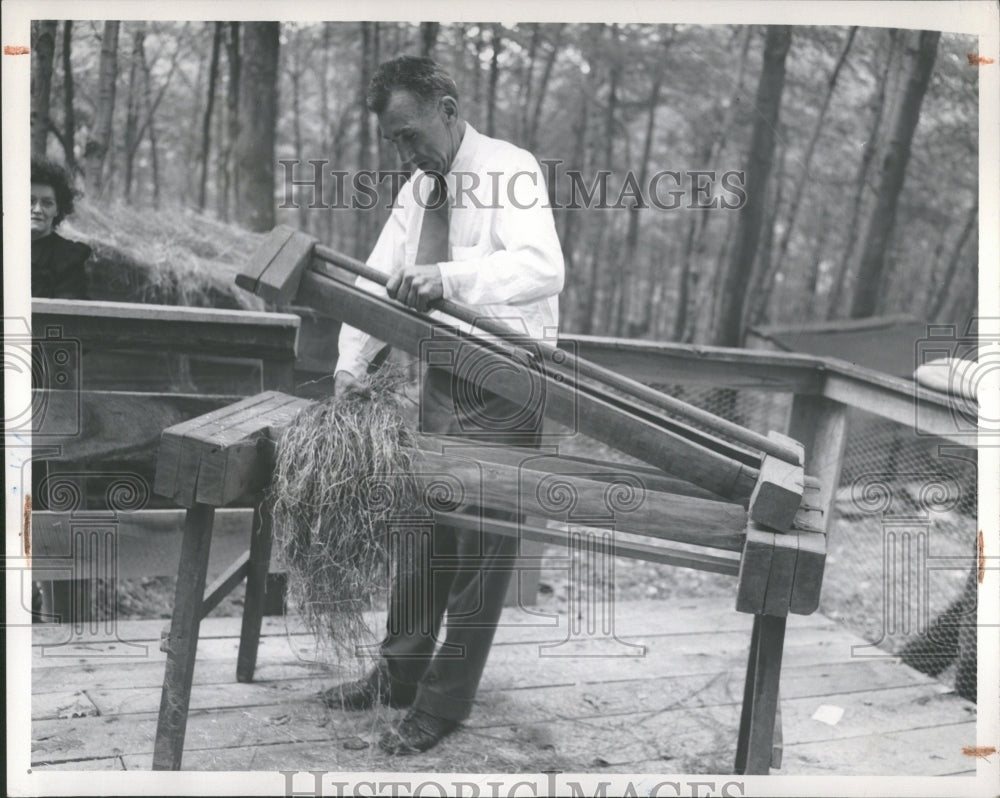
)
(57, 270)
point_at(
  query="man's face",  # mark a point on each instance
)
(425, 135)
(44, 210)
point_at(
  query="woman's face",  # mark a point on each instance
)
(44, 210)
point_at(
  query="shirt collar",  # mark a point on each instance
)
(465, 157)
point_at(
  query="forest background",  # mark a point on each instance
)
(856, 149)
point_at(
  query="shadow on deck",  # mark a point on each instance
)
(662, 697)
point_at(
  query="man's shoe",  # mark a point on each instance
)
(364, 693)
(417, 732)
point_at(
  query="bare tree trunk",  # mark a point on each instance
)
(920, 56)
(258, 120)
(491, 92)
(635, 328)
(428, 38)
(526, 83)
(711, 149)
(69, 113)
(571, 215)
(43, 48)
(800, 186)
(767, 268)
(602, 257)
(100, 133)
(736, 277)
(543, 88)
(206, 125)
(477, 75)
(324, 106)
(229, 176)
(151, 106)
(877, 105)
(944, 288)
(295, 75)
(132, 112)
(364, 135)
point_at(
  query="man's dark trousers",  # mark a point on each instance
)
(465, 572)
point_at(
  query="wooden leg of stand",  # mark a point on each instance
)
(182, 642)
(253, 605)
(754, 747)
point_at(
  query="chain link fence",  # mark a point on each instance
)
(902, 537)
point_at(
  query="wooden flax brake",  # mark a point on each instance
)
(744, 508)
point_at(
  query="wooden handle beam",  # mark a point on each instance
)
(582, 367)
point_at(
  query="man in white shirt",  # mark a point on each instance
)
(472, 225)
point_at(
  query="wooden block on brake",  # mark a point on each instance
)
(275, 269)
(755, 569)
(809, 566)
(778, 493)
(202, 445)
(778, 598)
(238, 465)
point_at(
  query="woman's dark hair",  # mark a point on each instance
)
(49, 173)
(422, 77)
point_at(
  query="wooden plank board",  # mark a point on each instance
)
(755, 569)
(557, 643)
(558, 462)
(599, 692)
(660, 362)
(616, 543)
(782, 575)
(575, 499)
(810, 565)
(662, 726)
(579, 410)
(127, 325)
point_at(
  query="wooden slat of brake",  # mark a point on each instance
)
(614, 543)
(559, 463)
(576, 499)
(755, 569)
(809, 566)
(579, 410)
(777, 599)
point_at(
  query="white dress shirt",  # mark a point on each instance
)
(505, 260)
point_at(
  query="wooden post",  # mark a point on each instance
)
(755, 743)
(821, 425)
(253, 603)
(182, 642)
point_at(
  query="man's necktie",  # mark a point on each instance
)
(433, 244)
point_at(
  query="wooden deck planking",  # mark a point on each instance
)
(677, 707)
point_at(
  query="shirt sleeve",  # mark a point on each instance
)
(356, 349)
(528, 263)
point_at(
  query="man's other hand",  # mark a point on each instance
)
(417, 286)
(347, 386)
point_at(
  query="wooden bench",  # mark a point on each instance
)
(737, 502)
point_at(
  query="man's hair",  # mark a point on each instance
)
(423, 77)
(49, 173)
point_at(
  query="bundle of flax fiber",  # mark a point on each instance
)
(343, 470)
